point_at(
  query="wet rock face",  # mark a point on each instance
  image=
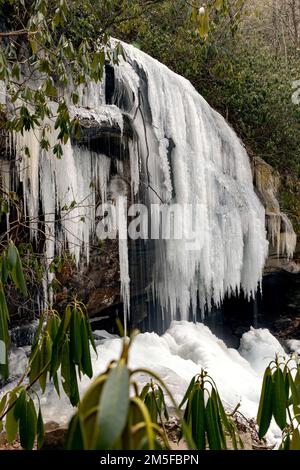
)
(277, 263)
(281, 235)
(22, 335)
(98, 285)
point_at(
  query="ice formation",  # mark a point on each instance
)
(179, 151)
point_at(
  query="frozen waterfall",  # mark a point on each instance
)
(178, 151)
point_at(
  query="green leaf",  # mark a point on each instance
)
(3, 403)
(90, 335)
(212, 424)
(58, 151)
(150, 402)
(37, 333)
(2, 406)
(35, 365)
(75, 98)
(295, 398)
(18, 408)
(188, 392)
(28, 424)
(59, 340)
(295, 388)
(12, 256)
(63, 327)
(215, 403)
(11, 423)
(18, 276)
(113, 407)
(218, 5)
(56, 383)
(75, 337)
(264, 415)
(88, 410)
(295, 444)
(15, 71)
(68, 373)
(204, 24)
(40, 430)
(74, 439)
(74, 395)
(33, 45)
(187, 411)
(76, 129)
(53, 326)
(45, 358)
(3, 304)
(198, 418)
(279, 398)
(228, 424)
(50, 89)
(144, 392)
(286, 444)
(4, 268)
(85, 346)
(163, 403)
(65, 368)
(4, 337)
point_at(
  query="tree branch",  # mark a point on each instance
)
(20, 32)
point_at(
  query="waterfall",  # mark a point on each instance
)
(179, 152)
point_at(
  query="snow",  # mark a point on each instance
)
(294, 345)
(177, 356)
(260, 347)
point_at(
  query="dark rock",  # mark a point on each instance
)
(54, 436)
(102, 298)
(23, 335)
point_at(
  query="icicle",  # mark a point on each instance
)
(3, 93)
(102, 165)
(134, 167)
(5, 178)
(288, 237)
(123, 257)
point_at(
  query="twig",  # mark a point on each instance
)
(21, 32)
